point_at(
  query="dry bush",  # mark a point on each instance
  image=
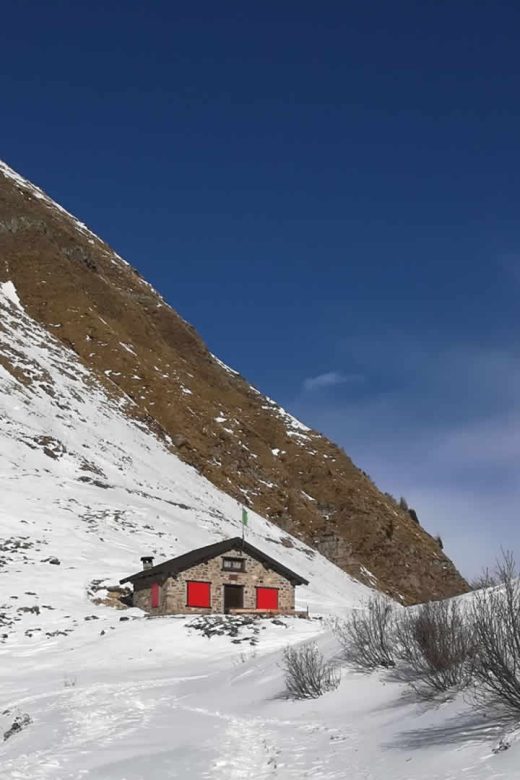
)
(496, 619)
(307, 674)
(435, 644)
(366, 638)
(485, 579)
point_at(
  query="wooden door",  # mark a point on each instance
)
(233, 597)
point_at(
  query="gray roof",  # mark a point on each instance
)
(203, 554)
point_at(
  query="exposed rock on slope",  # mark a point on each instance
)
(139, 347)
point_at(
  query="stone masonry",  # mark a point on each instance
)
(173, 590)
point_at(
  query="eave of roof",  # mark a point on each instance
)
(202, 554)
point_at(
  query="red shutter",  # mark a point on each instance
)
(155, 595)
(199, 594)
(267, 598)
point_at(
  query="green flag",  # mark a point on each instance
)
(244, 516)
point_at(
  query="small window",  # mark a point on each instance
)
(198, 594)
(233, 564)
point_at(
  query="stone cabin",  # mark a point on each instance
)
(221, 577)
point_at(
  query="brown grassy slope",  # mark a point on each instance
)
(120, 327)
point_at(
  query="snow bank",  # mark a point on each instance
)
(8, 290)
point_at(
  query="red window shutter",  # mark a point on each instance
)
(267, 598)
(198, 594)
(155, 595)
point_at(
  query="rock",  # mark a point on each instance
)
(19, 723)
(34, 610)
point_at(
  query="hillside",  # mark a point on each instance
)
(89, 484)
(108, 694)
(154, 365)
(85, 483)
(86, 490)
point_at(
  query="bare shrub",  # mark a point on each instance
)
(366, 638)
(485, 579)
(307, 674)
(435, 643)
(496, 619)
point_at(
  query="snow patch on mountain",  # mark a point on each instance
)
(8, 290)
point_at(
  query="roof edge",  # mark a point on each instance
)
(193, 557)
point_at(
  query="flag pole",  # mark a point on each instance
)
(244, 522)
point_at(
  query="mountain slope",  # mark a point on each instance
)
(145, 354)
(86, 490)
(113, 695)
(85, 483)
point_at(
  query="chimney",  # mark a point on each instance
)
(147, 561)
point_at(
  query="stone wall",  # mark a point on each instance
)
(173, 590)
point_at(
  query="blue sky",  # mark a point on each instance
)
(329, 193)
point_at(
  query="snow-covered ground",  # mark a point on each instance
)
(150, 699)
(113, 695)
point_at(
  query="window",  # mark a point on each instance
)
(155, 594)
(233, 564)
(267, 598)
(198, 594)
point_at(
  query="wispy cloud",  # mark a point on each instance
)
(329, 379)
(440, 426)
